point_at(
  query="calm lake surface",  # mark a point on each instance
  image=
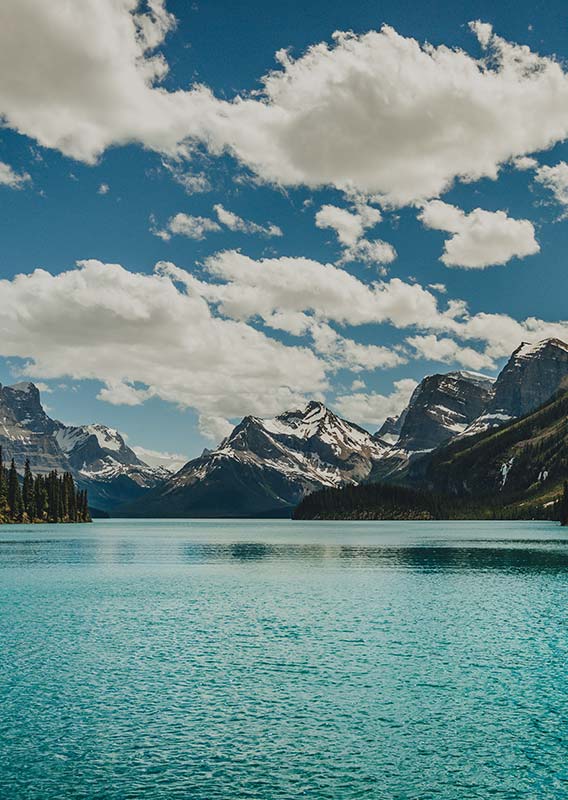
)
(278, 659)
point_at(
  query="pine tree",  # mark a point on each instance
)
(3, 489)
(28, 491)
(564, 506)
(14, 494)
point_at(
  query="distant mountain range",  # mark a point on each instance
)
(266, 466)
(97, 456)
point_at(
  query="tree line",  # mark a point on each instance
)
(379, 501)
(40, 498)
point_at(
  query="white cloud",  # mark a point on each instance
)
(156, 458)
(369, 252)
(357, 384)
(12, 179)
(524, 163)
(236, 223)
(399, 120)
(481, 238)
(143, 335)
(290, 293)
(186, 225)
(449, 352)
(294, 294)
(192, 182)
(556, 179)
(349, 226)
(214, 428)
(104, 188)
(373, 409)
(341, 352)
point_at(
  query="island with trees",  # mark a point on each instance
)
(40, 498)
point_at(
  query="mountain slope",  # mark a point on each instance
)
(525, 462)
(441, 407)
(531, 377)
(266, 467)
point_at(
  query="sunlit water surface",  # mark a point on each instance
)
(273, 659)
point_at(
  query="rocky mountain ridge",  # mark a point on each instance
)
(97, 456)
(265, 466)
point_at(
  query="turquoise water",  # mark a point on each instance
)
(272, 660)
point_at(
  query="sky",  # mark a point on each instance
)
(219, 209)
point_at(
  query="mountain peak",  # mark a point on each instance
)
(532, 349)
(27, 387)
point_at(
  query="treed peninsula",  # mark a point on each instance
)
(40, 498)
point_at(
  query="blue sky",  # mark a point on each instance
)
(106, 193)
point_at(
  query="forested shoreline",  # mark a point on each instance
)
(40, 498)
(377, 501)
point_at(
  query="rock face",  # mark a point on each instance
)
(266, 466)
(103, 463)
(524, 462)
(442, 407)
(530, 378)
(97, 456)
(26, 431)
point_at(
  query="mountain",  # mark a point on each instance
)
(265, 466)
(523, 463)
(103, 463)
(26, 431)
(441, 407)
(516, 472)
(530, 378)
(96, 455)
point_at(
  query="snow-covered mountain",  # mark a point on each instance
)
(98, 456)
(440, 408)
(530, 378)
(265, 466)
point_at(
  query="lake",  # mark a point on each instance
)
(212, 660)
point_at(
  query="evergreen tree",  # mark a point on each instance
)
(3, 489)
(14, 494)
(43, 498)
(28, 491)
(564, 506)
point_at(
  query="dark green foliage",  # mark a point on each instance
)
(379, 501)
(370, 501)
(43, 498)
(564, 506)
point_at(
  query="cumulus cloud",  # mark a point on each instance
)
(481, 238)
(448, 351)
(290, 293)
(186, 225)
(373, 409)
(369, 252)
(294, 294)
(400, 120)
(346, 353)
(349, 227)
(104, 188)
(147, 336)
(157, 458)
(13, 180)
(236, 223)
(556, 179)
(524, 163)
